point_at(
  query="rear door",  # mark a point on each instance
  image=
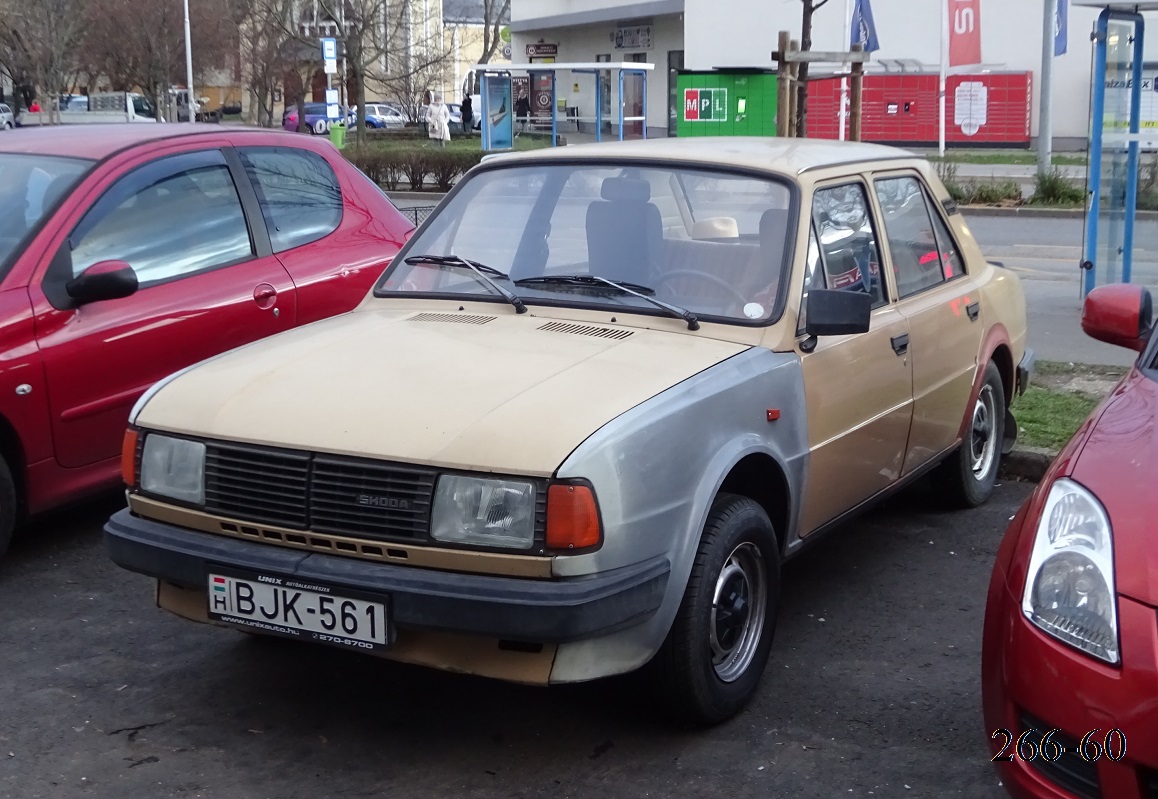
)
(208, 283)
(941, 302)
(335, 234)
(859, 387)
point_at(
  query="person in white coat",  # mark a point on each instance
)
(438, 121)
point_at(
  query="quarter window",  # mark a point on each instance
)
(923, 251)
(848, 242)
(299, 194)
(169, 219)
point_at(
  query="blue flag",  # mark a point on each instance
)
(864, 30)
(1061, 27)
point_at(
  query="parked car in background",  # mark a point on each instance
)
(317, 120)
(7, 118)
(1070, 652)
(588, 411)
(380, 115)
(128, 252)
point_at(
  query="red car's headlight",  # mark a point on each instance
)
(1069, 588)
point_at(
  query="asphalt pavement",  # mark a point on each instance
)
(872, 690)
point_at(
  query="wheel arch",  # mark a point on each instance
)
(761, 478)
(12, 450)
(995, 347)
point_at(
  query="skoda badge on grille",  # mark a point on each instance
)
(372, 501)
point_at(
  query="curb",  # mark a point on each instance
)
(1027, 463)
(1038, 213)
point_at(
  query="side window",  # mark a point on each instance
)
(174, 217)
(299, 194)
(919, 241)
(848, 242)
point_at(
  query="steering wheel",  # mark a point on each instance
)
(704, 276)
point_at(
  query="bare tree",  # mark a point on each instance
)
(419, 56)
(268, 53)
(38, 42)
(810, 8)
(495, 15)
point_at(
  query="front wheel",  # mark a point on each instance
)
(967, 477)
(710, 665)
(7, 506)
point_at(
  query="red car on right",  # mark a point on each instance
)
(1070, 647)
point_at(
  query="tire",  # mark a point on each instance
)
(966, 478)
(320, 127)
(7, 506)
(703, 677)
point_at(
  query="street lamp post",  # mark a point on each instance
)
(189, 67)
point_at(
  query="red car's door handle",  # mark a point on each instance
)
(265, 296)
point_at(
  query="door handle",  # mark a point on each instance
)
(265, 296)
(974, 310)
(900, 343)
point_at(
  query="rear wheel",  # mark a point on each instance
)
(968, 476)
(710, 665)
(7, 506)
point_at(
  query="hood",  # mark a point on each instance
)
(1119, 463)
(501, 393)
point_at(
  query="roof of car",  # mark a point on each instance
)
(100, 140)
(787, 156)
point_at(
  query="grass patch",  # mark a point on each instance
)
(462, 144)
(1050, 418)
(1053, 188)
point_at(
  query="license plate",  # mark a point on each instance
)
(297, 609)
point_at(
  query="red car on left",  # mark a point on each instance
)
(129, 252)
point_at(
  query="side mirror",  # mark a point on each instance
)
(106, 280)
(1120, 314)
(837, 312)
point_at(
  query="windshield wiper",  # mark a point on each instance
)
(634, 289)
(482, 270)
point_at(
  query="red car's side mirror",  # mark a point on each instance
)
(106, 280)
(1120, 314)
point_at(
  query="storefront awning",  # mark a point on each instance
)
(641, 8)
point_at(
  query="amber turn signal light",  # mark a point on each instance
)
(572, 517)
(129, 457)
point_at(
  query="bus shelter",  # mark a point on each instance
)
(1116, 140)
(497, 78)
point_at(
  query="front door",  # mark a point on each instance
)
(204, 288)
(859, 387)
(941, 302)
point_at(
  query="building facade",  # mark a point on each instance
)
(697, 35)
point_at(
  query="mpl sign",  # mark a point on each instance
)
(705, 105)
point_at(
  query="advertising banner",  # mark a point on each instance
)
(498, 130)
(964, 32)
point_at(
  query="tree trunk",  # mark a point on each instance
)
(802, 75)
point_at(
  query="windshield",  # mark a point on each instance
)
(711, 242)
(30, 186)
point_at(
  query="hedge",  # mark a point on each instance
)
(389, 167)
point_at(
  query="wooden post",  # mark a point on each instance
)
(794, 93)
(856, 95)
(784, 87)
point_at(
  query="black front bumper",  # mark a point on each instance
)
(511, 608)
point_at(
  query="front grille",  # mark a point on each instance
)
(1071, 771)
(330, 494)
(378, 500)
(257, 483)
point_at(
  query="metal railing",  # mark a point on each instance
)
(417, 214)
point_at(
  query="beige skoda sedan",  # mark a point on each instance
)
(593, 405)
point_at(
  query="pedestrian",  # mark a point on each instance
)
(467, 114)
(523, 110)
(34, 108)
(438, 119)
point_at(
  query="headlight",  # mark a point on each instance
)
(173, 467)
(1069, 590)
(485, 512)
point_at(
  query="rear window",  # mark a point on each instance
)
(298, 192)
(30, 187)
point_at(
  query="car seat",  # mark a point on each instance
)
(624, 231)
